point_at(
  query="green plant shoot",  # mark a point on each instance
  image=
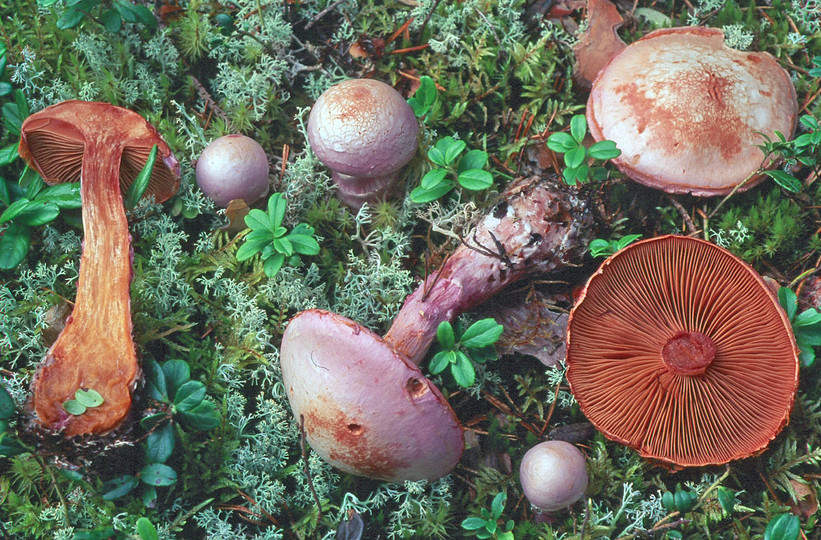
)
(806, 326)
(425, 96)
(577, 156)
(604, 248)
(450, 169)
(273, 241)
(459, 353)
(487, 525)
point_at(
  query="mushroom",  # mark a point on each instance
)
(105, 147)
(553, 475)
(687, 111)
(679, 349)
(233, 167)
(364, 131)
(364, 404)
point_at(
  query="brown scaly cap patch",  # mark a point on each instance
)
(679, 349)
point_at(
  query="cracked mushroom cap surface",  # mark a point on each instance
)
(364, 408)
(685, 110)
(679, 349)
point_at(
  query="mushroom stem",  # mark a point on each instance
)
(534, 229)
(101, 308)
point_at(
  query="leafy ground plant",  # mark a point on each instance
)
(806, 325)
(272, 241)
(459, 352)
(577, 155)
(466, 171)
(487, 525)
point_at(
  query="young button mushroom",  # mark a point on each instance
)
(679, 349)
(233, 167)
(364, 131)
(365, 406)
(105, 147)
(687, 111)
(553, 475)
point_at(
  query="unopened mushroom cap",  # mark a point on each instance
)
(362, 128)
(53, 142)
(553, 475)
(233, 167)
(685, 110)
(366, 410)
(679, 349)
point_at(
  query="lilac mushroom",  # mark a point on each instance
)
(364, 131)
(233, 167)
(553, 475)
(364, 404)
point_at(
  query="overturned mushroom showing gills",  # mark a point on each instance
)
(687, 111)
(680, 350)
(105, 147)
(365, 406)
(364, 131)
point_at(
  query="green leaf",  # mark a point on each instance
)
(440, 361)
(177, 373)
(303, 240)
(498, 505)
(785, 180)
(422, 195)
(483, 354)
(15, 209)
(7, 406)
(273, 264)
(189, 395)
(603, 150)
(788, 301)
(10, 447)
(8, 154)
(118, 487)
(14, 245)
(726, 498)
(475, 179)
(259, 220)
(433, 179)
(783, 527)
(437, 156)
(276, 210)
(561, 142)
(5, 88)
(685, 501)
(88, 398)
(157, 388)
(452, 149)
(138, 186)
(424, 97)
(203, 417)
(111, 20)
(575, 157)
(72, 17)
(251, 247)
(482, 333)
(158, 474)
(578, 128)
(74, 407)
(474, 159)
(146, 530)
(65, 195)
(806, 352)
(149, 496)
(284, 246)
(600, 248)
(159, 445)
(807, 317)
(445, 335)
(37, 213)
(463, 370)
(473, 523)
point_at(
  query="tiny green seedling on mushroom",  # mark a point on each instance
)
(84, 398)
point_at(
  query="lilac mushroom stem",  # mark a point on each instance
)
(533, 229)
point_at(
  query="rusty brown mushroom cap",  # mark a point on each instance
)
(686, 110)
(105, 147)
(679, 349)
(366, 409)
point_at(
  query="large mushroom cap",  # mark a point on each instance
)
(362, 128)
(366, 409)
(53, 142)
(686, 110)
(679, 349)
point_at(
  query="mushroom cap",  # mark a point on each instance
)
(679, 349)
(685, 110)
(366, 410)
(233, 167)
(362, 128)
(553, 475)
(53, 142)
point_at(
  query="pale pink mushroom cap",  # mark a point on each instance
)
(685, 109)
(364, 131)
(366, 409)
(233, 167)
(553, 475)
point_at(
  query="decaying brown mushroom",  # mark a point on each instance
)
(687, 111)
(365, 405)
(105, 147)
(679, 349)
